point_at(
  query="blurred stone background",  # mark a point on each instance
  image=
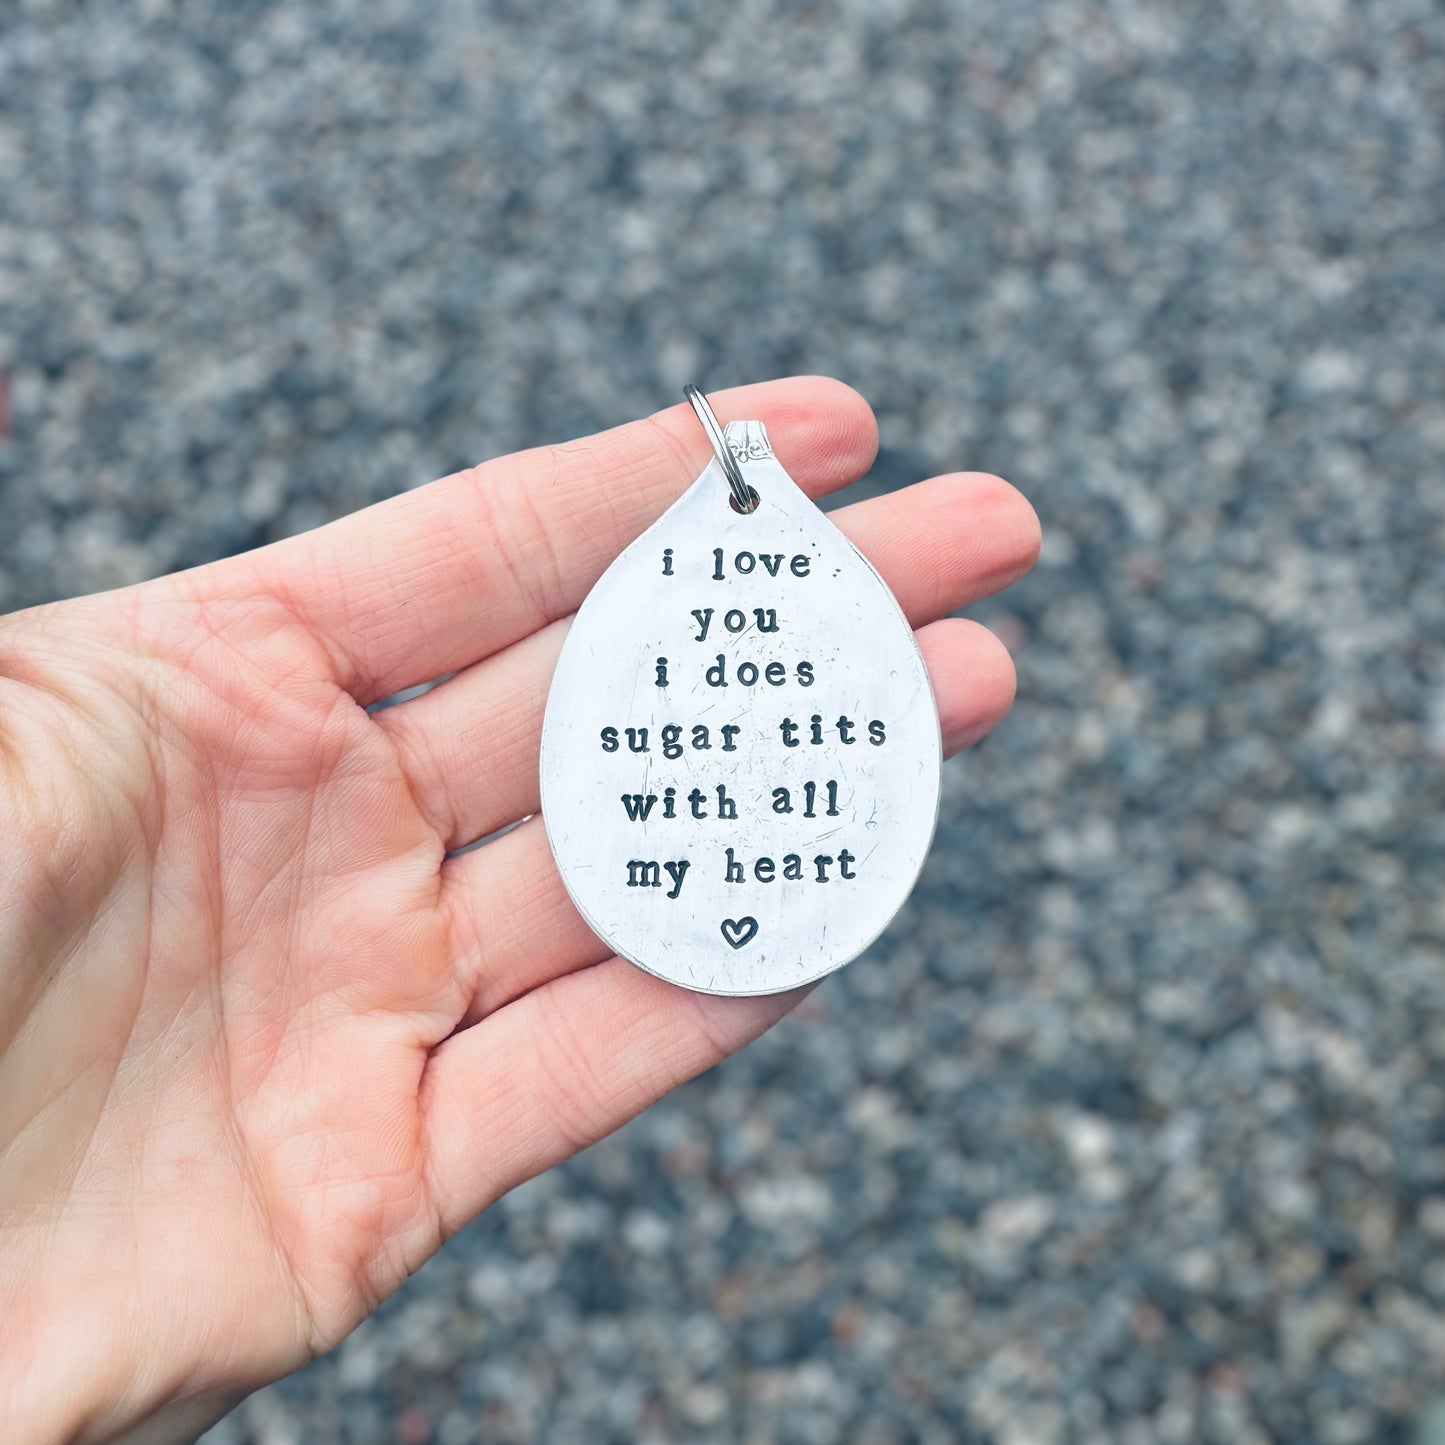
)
(1133, 1127)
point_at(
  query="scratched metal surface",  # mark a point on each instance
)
(782, 891)
(1130, 1129)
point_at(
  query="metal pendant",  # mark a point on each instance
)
(740, 754)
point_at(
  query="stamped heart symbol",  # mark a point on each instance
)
(738, 931)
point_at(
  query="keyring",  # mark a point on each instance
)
(745, 499)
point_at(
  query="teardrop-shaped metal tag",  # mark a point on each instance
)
(740, 755)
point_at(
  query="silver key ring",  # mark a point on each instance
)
(745, 499)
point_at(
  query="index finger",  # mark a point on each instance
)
(440, 577)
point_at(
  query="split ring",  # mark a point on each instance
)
(745, 499)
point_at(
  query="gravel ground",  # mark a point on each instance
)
(1133, 1127)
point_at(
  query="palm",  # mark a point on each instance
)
(315, 1044)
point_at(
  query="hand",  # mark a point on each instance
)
(263, 1044)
